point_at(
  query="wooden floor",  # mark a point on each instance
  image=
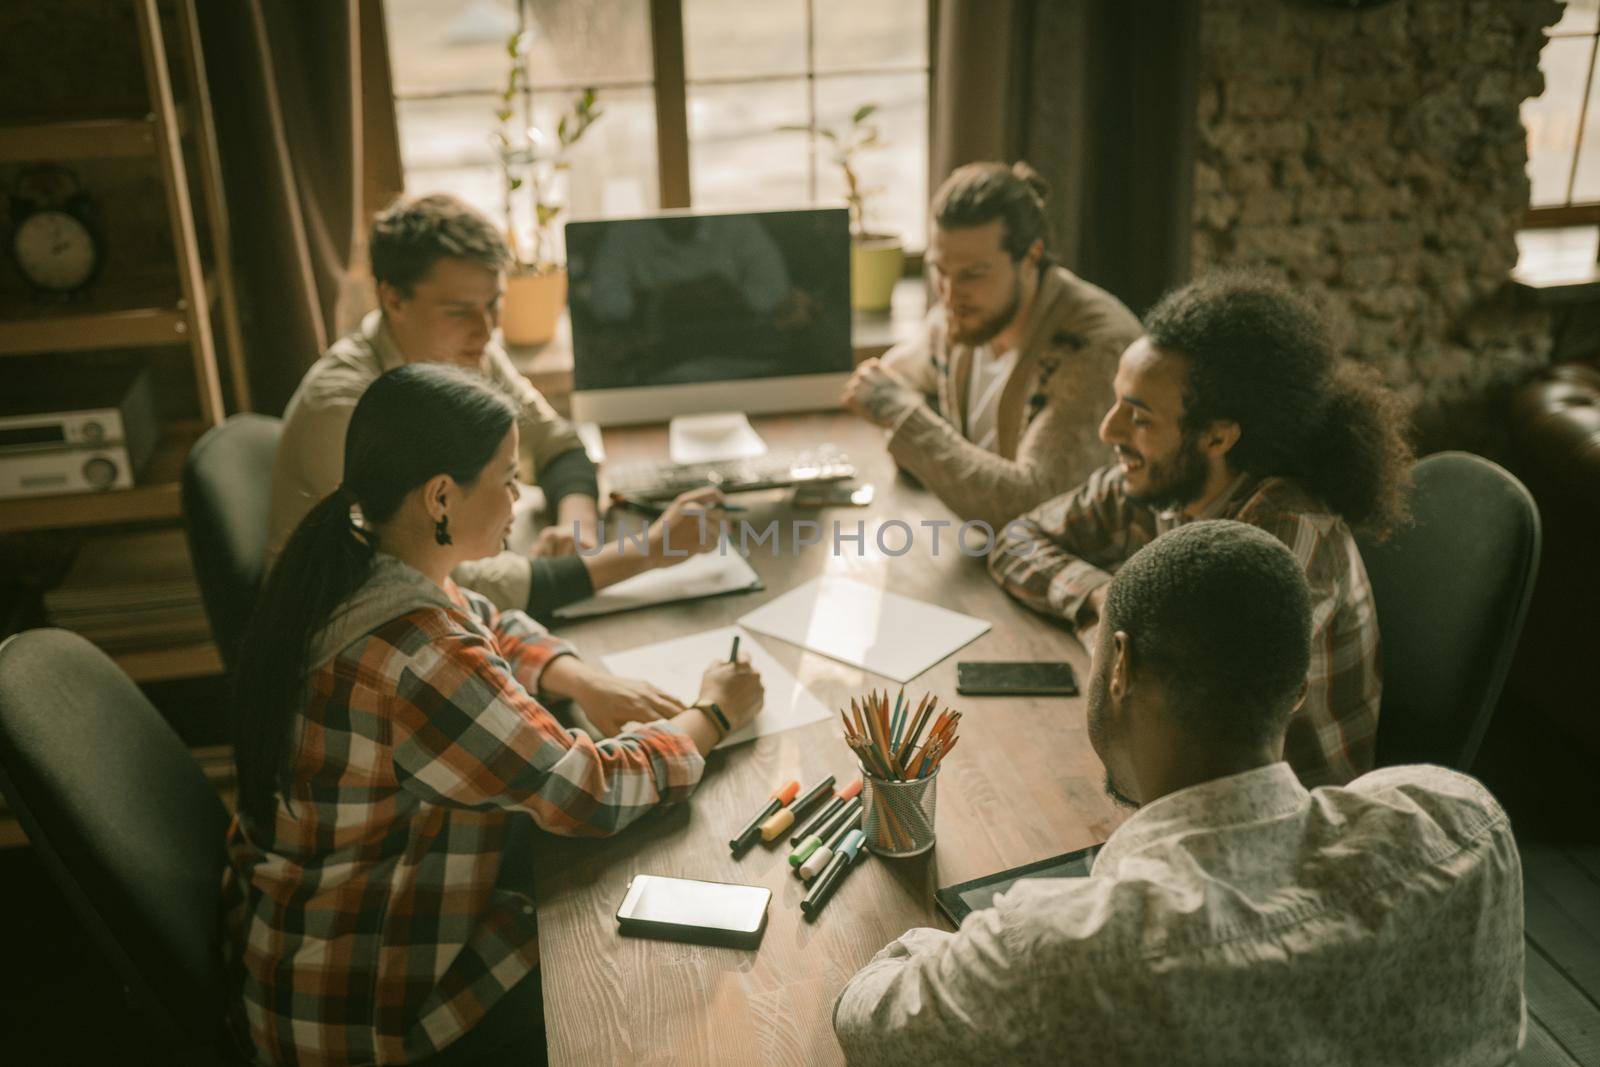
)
(1561, 894)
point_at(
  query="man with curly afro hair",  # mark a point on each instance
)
(1233, 405)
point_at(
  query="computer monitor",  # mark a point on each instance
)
(693, 312)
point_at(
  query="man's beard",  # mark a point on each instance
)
(1177, 481)
(986, 330)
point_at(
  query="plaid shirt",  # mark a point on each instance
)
(372, 926)
(1056, 555)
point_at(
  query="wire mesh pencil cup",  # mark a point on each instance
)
(898, 818)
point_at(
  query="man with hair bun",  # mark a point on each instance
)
(1234, 406)
(993, 404)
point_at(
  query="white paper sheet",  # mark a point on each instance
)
(709, 574)
(864, 626)
(713, 437)
(676, 666)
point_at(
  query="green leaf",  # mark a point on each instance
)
(516, 183)
(863, 112)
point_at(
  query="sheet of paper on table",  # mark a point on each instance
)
(864, 626)
(722, 570)
(675, 666)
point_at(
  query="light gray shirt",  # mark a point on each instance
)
(1240, 921)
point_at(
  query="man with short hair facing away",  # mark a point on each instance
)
(993, 404)
(440, 269)
(1234, 406)
(1236, 917)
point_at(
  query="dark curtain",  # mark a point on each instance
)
(1099, 96)
(310, 148)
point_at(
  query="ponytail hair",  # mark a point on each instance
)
(411, 425)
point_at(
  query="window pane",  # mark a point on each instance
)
(449, 44)
(1586, 186)
(724, 38)
(579, 41)
(1552, 118)
(896, 174)
(1579, 16)
(852, 34)
(736, 157)
(445, 147)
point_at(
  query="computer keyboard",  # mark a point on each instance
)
(663, 481)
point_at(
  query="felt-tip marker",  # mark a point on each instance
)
(850, 811)
(829, 810)
(752, 830)
(774, 827)
(832, 875)
(819, 859)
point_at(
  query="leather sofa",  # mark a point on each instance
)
(1548, 723)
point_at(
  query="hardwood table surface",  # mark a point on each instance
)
(1023, 785)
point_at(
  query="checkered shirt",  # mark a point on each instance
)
(376, 924)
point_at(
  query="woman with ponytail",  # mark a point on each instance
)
(1234, 406)
(394, 748)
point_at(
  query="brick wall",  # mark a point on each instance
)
(1376, 160)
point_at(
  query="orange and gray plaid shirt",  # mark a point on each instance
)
(1053, 557)
(376, 924)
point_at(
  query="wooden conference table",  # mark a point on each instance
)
(1023, 785)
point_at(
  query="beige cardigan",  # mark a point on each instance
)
(1050, 407)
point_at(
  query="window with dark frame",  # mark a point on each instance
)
(693, 94)
(1563, 123)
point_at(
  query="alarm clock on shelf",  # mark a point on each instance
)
(54, 240)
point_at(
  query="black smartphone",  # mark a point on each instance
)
(704, 913)
(1036, 678)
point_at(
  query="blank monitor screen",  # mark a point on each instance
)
(692, 298)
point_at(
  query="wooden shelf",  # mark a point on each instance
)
(199, 660)
(86, 139)
(155, 499)
(132, 315)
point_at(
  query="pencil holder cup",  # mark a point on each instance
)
(898, 818)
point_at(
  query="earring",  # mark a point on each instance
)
(441, 531)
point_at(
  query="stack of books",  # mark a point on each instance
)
(130, 591)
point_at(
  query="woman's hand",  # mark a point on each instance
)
(609, 702)
(735, 688)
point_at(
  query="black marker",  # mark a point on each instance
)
(832, 875)
(747, 836)
(829, 810)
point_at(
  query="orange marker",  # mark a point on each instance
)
(780, 797)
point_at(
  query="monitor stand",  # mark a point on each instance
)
(713, 437)
(756, 396)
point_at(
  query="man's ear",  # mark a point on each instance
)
(1034, 254)
(390, 299)
(1218, 439)
(1121, 683)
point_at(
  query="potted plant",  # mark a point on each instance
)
(876, 259)
(536, 287)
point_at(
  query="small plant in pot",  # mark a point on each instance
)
(876, 259)
(531, 165)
